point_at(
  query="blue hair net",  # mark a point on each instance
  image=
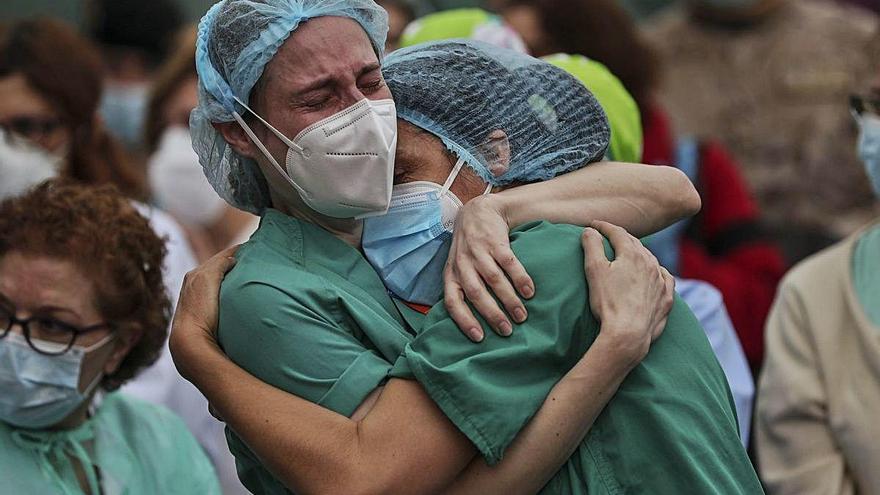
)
(236, 39)
(465, 92)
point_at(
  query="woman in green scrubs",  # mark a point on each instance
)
(488, 392)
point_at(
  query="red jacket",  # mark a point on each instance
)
(724, 244)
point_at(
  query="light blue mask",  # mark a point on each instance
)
(869, 148)
(124, 110)
(41, 390)
(408, 246)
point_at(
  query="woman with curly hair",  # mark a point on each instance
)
(83, 309)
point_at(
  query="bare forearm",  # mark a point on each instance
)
(269, 421)
(311, 449)
(640, 198)
(554, 433)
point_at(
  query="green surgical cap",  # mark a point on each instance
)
(623, 114)
(475, 24)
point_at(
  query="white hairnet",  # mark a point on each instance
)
(236, 39)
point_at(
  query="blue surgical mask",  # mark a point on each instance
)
(869, 148)
(124, 110)
(41, 390)
(408, 246)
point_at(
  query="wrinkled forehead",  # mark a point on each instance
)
(312, 54)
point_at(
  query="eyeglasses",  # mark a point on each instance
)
(30, 127)
(45, 335)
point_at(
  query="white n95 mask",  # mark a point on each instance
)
(341, 166)
(178, 182)
(23, 165)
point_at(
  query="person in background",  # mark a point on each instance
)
(176, 179)
(767, 78)
(83, 310)
(724, 244)
(474, 24)
(134, 38)
(400, 13)
(50, 86)
(816, 420)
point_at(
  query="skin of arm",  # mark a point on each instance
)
(552, 436)
(642, 199)
(402, 431)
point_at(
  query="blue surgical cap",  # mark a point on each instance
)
(236, 39)
(465, 91)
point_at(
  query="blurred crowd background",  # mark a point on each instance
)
(759, 102)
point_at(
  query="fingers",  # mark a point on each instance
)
(515, 271)
(475, 292)
(622, 242)
(657, 331)
(223, 261)
(670, 288)
(594, 252)
(666, 303)
(460, 313)
(501, 286)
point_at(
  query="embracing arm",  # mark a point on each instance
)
(629, 319)
(404, 432)
(315, 450)
(642, 199)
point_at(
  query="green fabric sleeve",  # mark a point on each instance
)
(290, 341)
(490, 390)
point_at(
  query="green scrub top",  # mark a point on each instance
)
(138, 448)
(671, 427)
(305, 312)
(866, 273)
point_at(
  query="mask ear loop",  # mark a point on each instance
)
(452, 175)
(253, 137)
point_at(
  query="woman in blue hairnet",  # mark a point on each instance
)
(669, 426)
